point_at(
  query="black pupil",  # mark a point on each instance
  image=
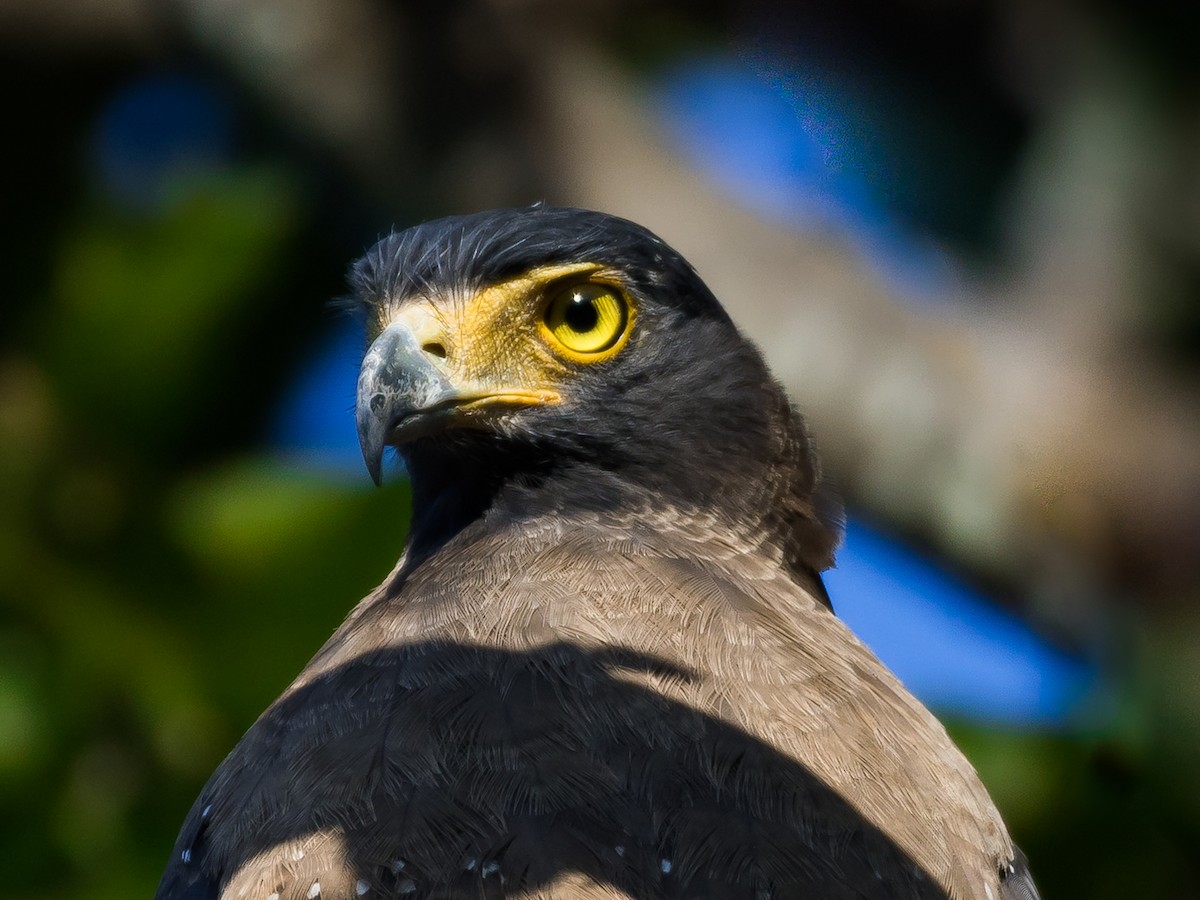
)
(581, 315)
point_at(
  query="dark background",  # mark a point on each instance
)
(966, 234)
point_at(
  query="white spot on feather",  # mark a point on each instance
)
(471, 864)
(620, 849)
(315, 891)
(186, 855)
(361, 887)
(274, 895)
(489, 869)
(666, 866)
(204, 812)
(407, 886)
(397, 865)
(987, 889)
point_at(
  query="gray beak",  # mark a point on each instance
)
(400, 390)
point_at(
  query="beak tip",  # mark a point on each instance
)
(376, 475)
(372, 454)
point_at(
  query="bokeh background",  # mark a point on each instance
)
(966, 234)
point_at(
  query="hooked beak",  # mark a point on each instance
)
(407, 390)
(400, 391)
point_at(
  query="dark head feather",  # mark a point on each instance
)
(686, 415)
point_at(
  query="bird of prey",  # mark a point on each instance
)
(605, 665)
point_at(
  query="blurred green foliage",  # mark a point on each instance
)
(153, 604)
(1112, 811)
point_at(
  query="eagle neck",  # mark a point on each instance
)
(478, 483)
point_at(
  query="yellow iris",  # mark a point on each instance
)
(587, 318)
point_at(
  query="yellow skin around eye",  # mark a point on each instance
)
(599, 303)
(491, 328)
(499, 339)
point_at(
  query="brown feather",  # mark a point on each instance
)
(600, 686)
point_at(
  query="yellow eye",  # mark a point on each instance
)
(587, 318)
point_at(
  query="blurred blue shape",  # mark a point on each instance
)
(315, 423)
(787, 146)
(155, 130)
(949, 645)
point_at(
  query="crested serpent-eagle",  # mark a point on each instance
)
(605, 664)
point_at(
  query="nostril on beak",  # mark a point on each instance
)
(435, 349)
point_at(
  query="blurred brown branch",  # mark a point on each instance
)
(1018, 446)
